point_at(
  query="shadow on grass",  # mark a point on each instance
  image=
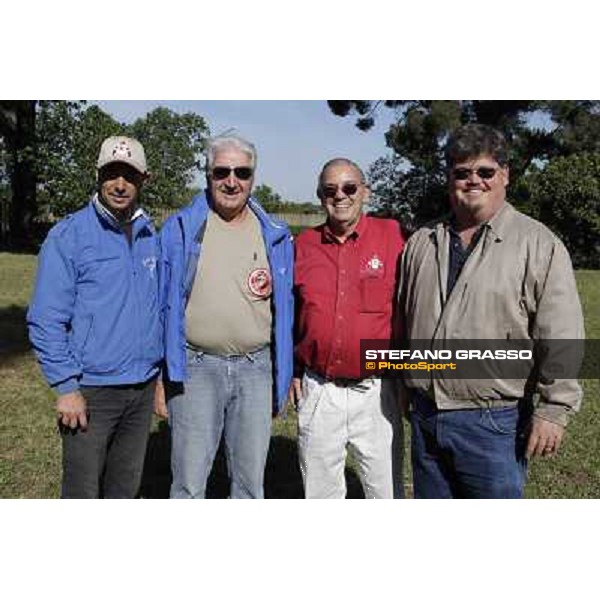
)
(282, 474)
(14, 340)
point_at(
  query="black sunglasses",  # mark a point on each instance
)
(241, 173)
(348, 189)
(463, 173)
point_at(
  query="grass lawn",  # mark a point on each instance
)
(30, 447)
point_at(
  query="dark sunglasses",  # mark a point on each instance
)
(348, 189)
(241, 173)
(482, 172)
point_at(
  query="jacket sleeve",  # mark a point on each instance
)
(289, 261)
(558, 324)
(164, 280)
(398, 244)
(51, 311)
(286, 353)
(403, 276)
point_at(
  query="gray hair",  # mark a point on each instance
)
(334, 162)
(220, 142)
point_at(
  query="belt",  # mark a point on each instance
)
(226, 356)
(344, 382)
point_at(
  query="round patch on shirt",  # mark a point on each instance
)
(259, 283)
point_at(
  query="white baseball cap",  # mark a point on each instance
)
(125, 150)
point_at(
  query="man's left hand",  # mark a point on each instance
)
(544, 438)
(160, 401)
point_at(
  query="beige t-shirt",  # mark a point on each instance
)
(229, 309)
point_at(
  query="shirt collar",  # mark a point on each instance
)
(327, 236)
(108, 216)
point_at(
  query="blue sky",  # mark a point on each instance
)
(293, 138)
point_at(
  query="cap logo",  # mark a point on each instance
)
(121, 150)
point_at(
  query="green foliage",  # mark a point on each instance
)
(64, 152)
(17, 130)
(566, 196)
(578, 125)
(4, 179)
(69, 136)
(174, 144)
(410, 184)
(304, 208)
(397, 192)
(269, 199)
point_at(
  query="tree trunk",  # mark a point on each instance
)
(17, 122)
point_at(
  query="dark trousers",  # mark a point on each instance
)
(107, 459)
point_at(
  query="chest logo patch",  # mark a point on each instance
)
(150, 264)
(372, 267)
(374, 264)
(259, 283)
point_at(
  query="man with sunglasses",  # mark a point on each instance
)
(227, 280)
(345, 282)
(488, 272)
(95, 325)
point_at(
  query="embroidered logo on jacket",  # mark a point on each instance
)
(150, 264)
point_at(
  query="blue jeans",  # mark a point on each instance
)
(224, 394)
(473, 453)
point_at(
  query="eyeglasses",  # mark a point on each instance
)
(348, 189)
(463, 173)
(241, 173)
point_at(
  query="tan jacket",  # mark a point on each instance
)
(518, 283)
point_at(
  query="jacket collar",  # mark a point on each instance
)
(498, 225)
(327, 236)
(195, 214)
(105, 215)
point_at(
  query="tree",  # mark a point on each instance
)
(174, 147)
(69, 135)
(269, 199)
(422, 128)
(410, 183)
(397, 192)
(566, 196)
(49, 149)
(17, 129)
(45, 160)
(578, 125)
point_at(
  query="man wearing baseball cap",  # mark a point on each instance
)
(94, 323)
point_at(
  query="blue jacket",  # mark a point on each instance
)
(181, 241)
(94, 318)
